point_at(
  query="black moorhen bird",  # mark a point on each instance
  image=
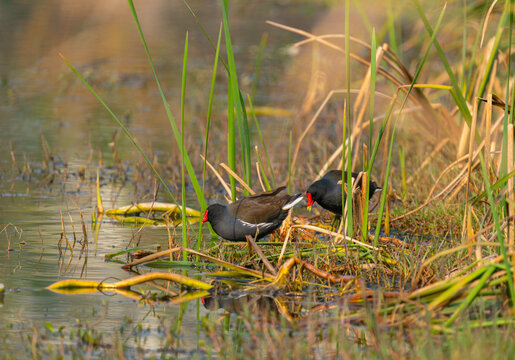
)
(327, 191)
(256, 215)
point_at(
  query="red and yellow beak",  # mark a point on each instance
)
(204, 219)
(310, 201)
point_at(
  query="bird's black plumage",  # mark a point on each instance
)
(256, 215)
(327, 191)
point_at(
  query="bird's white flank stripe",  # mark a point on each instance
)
(292, 204)
(250, 225)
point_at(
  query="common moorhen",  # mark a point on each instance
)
(327, 191)
(256, 215)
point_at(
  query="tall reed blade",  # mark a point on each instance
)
(208, 124)
(183, 152)
(493, 54)
(289, 161)
(460, 100)
(176, 133)
(366, 160)
(231, 141)
(415, 78)
(237, 99)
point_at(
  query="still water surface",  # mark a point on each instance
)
(44, 109)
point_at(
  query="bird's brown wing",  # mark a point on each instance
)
(262, 209)
(270, 193)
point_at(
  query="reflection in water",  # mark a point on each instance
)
(269, 308)
(264, 307)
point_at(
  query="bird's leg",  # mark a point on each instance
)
(249, 242)
(335, 222)
(262, 256)
(249, 246)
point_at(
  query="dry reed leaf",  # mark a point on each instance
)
(238, 179)
(475, 155)
(456, 179)
(465, 157)
(485, 24)
(311, 123)
(428, 159)
(392, 60)
(316, 86)
(483, 66)
(465, 132)
(471, 146)
(328, 36)
(219, 177)
(492, 77)
(337, 153)
(263, 188)
(488, 126)
(262, 256)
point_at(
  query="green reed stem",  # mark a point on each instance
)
(494, 187)
(231, 141)
(204, 31)
(460, 100)
(289, 160)
(385, 188)
(208, 124)
(391, 26)
(183, 151)
(415, 77)
(373, 68)
(246, 149)
(493, 54)
(237, 99)
(471, 296)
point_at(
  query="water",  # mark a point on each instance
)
(57, 134)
